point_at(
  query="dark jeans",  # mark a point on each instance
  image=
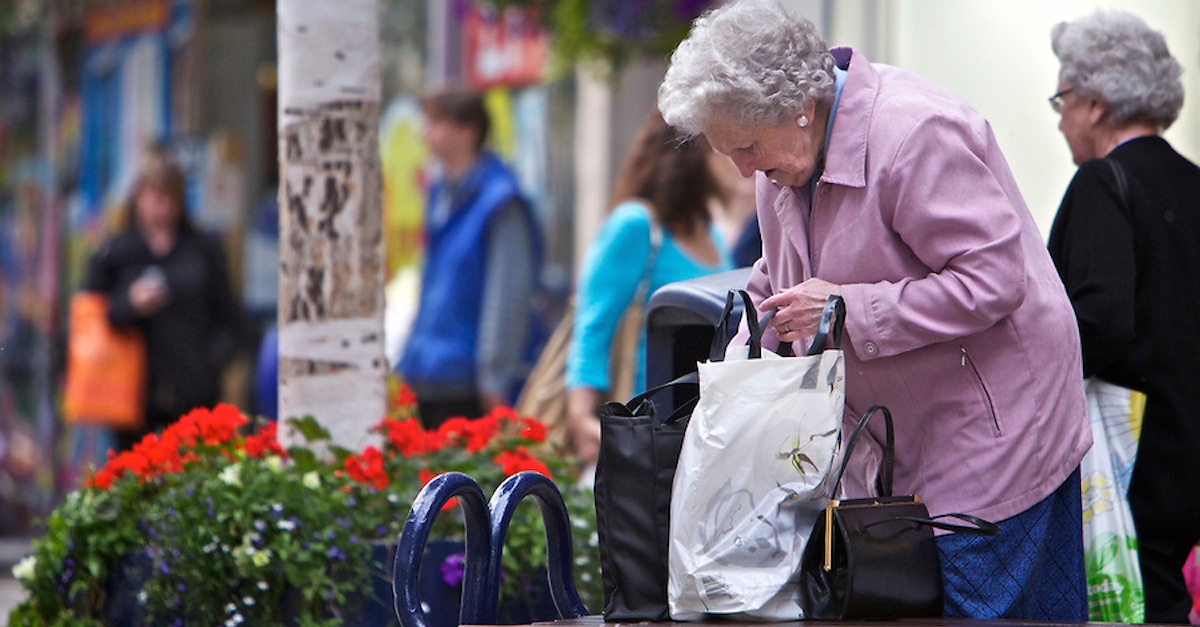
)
(435, 412)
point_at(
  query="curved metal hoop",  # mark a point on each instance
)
(477, 587)
(558, 538)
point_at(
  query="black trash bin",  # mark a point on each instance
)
(680, 321)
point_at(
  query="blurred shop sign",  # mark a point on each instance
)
(112, 21)
(504, 47)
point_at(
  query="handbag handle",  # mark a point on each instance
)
(829, 331)
(755, 325)
(724, 330)
(690, 378)
(976, 525)
(883, 482)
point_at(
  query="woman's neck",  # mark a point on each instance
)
(1125, 133)
(159, 239)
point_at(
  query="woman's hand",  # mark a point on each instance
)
(584, 425)
(800, 308)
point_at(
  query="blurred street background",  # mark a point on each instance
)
(12, 550)
(84, 83)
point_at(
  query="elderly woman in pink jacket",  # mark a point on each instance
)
(886, 188)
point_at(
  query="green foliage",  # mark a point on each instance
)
(608, 35)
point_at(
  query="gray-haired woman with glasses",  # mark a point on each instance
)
(1126, 242)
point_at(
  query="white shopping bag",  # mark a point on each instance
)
(753, 475)
(1114, 576)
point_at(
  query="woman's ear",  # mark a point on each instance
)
(1097, 112)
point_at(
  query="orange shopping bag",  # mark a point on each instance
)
(106, 367)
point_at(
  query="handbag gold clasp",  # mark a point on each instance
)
(829, 534)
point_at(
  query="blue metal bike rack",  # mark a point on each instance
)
(486, 527)
(477, 587)
(559, 569)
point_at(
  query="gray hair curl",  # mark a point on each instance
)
(1117, 59)
(752, 61)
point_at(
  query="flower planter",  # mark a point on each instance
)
(373, 608)
(439, 589)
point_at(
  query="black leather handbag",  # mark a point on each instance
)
(875, 558)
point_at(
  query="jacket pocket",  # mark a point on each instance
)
(985, 394)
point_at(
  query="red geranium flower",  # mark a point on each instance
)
(406, 435)
(512, 462)
(405, 397)
(533, 430)
(367, 468)
(264, 442)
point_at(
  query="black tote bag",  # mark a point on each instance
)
(638, 452)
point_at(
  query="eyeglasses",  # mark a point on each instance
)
(1056, 101)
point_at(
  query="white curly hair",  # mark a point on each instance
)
(1116, 58)
(750, 60)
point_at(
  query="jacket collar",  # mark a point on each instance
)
(846, 155)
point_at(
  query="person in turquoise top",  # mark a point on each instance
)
(660, 228)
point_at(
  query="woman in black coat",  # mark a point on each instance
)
(1126, 242)
(170, 281)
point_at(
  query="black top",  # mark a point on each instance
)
(193, 337)
(1132, 271)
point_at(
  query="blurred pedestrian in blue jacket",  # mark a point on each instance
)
(470, 344)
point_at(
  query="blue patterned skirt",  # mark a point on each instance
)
(1032, 571)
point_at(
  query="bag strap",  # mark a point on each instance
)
(635, 403)
(976, 526)
(755, 324)
(1122, 183)
(656, 239)
(829, 331)
(724, 330)
(727, 326)
(883, 481)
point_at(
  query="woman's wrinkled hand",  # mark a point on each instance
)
(800, 308)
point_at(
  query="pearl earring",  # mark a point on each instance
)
(802, 121)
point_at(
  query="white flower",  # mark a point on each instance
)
(231, 608)
(274, 463)
(248, 601)
(141, 597)
(286, 525)
(311, 480)
(24, 570)
(232, 474)
(264, 586)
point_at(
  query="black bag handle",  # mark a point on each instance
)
(630, 408)
(883, 481)
(833, 323)
(725, 329)
(976, 526)
(829, 330)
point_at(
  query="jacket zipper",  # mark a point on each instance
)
(987, 397)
